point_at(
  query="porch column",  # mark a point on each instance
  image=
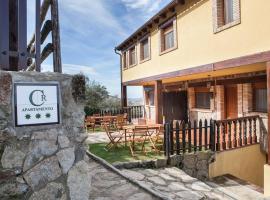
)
(158, 101)
(123, 95)
(267, 166)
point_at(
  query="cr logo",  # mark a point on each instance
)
(37, 102)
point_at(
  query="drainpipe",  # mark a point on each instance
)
(121, 75)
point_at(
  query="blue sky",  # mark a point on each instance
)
(90, 29)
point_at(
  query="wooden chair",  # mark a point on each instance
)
(115, 137)
(119, 122)
(89, 122)
(125, 116)
(142, 121)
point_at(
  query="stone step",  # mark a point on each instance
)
(236, 188)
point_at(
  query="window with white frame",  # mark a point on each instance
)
(168, 35)
(145, 49)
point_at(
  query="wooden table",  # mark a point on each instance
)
(132, 127)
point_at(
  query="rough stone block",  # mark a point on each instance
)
(79, 181)
(66, 159)
(55, 191)
(63, 141)
(46, 171)
(12, 157)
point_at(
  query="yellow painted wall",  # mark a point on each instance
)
(246, 163)
(198, 45)
(267, 180)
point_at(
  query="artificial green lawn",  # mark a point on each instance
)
(122, 153)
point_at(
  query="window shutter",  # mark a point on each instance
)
(236, 10)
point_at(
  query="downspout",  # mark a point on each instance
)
(121, 75)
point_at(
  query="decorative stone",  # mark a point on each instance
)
(79, 181)
(66, 158)
(46, 171)
(202, 155)
(124, 191)
(161, 163)
(63, 141)
(166, 177)
(50, 134)
(189, 160)
(200, 186)
(38, 149)
(12, 189)
(143, 196)
(134, 175)
(157, 180)
(189, 195)
(55, 191)
(177, 186)
(12, 157)
(202, 165)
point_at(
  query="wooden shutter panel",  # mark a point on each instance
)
(236, 10)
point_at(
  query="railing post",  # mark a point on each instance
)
(205, 134)
(189, 136)
(212, 136)
(184, 136)
(230, 135)
(235, 134)
(200, 135)
(250, 131)
(240, 133)
(255, 130)
(177, 132)
(171, 138)
(167, 139)
(245, 131)
(195, 135)
(223, 136)
(218, 137)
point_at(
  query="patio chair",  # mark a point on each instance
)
(115, 137)
(89, 122)
(125, 116)
(106, 120)
(119, 122)
(142, 121)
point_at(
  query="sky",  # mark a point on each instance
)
(90, 30)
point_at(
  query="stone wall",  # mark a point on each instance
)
(43, 162)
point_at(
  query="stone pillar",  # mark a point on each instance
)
(45, 161)
(158, 102)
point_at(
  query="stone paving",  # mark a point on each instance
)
(97, 137)
(107, 185)
(175, 184)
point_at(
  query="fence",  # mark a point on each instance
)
(182, 137)
(134, 112)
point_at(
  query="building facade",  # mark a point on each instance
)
(201, 59)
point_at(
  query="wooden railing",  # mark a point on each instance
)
(233, 133)
(181, 137)
(133, 112)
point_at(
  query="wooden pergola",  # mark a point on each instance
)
(15, 53)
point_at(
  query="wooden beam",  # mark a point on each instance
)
(158, 101)
(57, 63)
(231, 63)
(46, 29)
(123, 96)
(268, 106)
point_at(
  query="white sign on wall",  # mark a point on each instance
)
(36, 104)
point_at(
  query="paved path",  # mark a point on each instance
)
(176, 184)
(97, 137)
(107, 185)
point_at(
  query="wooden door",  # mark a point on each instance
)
(175, 106)
(231, 101)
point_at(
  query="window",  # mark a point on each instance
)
(144, 49)
(132, 56)
(149, 96)
(226, 14)
(124, 60)
(259, 97)
(202, 98)
(168, 36)
(228, 11)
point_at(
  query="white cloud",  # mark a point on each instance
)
(73, 69)
(149, 6)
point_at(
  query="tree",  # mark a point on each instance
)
(97, 98)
